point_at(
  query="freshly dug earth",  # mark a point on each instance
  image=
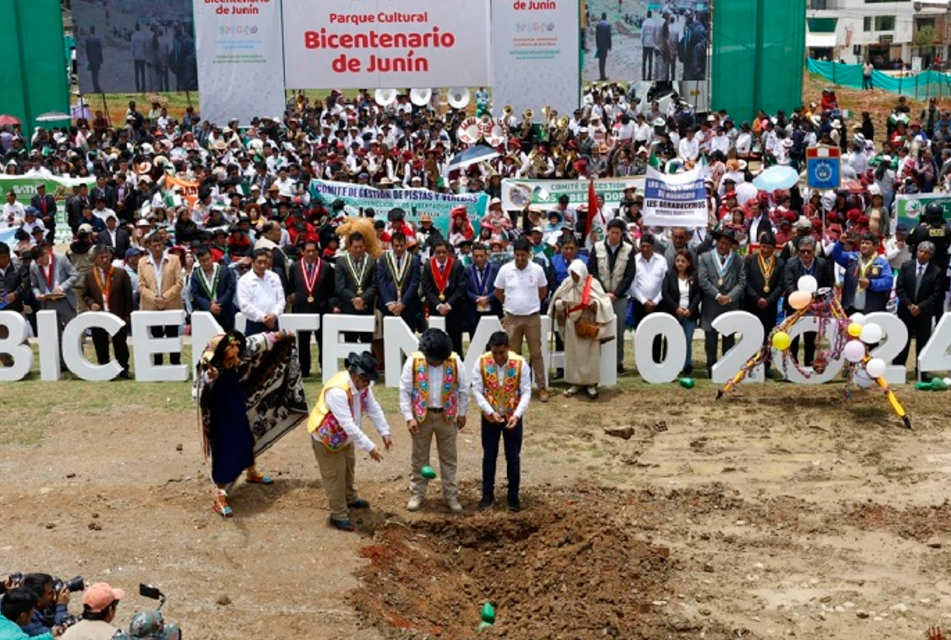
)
(576, 567)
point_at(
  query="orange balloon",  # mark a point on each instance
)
(799, 300)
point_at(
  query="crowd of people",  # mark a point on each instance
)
(260, 239)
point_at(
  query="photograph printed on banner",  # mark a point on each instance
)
(135, 46)
(635, 40)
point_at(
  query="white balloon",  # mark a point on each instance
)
(947, 382)
(854, 351)
(871, 333)
(862, 379)
(808, 284)
(875, 367)
(858, 318)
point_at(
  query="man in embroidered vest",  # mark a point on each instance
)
(334, 425)
(502, 389)
(434, 398)
(613, 266)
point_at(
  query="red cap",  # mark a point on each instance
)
(100, 596)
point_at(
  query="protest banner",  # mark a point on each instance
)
(415, 202)
(354, 44)
(189, 189)
(240, 46)
(135, 46)
(536, 40)
(908, 208)
(517, 193)
(678, 200)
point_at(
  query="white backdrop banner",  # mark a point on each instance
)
(382, 44)
(535, 55)
(240, 58)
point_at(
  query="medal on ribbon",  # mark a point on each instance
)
(357, 278)
(399, 275)
(212, 288)
(441, 278)
(310, 280)
(767, 269)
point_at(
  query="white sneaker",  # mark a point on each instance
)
(454, 505)
(414, 503)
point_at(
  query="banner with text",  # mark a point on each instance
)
(535, 55)
(517, 193)
(910, 207)
(381, 44)
(675, 200)
(240, 52)
(415, 202)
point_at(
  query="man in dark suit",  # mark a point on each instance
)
(602, 39)
(115, 236)
(444, 289)
(355, 281)
(311, 286)
(920, 292)
(75, 205)
(480, 289)
(805, 263)
(104, 191)
(109, 289)
(722, 281)
(45, 206)
(213, 286)
(764, 283)
(14, 288)
(397, 277)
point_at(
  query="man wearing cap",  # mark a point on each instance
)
(868, 276)
(109, 289)
(334, 425)
(31, 221)
(896, 249)
(100, 602)
(434, 399)
(722, 281)
(612, 264)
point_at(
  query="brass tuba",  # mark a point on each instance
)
(526, 123)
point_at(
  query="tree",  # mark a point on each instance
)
(925, 37)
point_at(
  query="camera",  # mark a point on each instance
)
(72, 585)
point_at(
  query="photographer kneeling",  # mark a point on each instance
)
(16, 612)
(51, 607)
(99, 610)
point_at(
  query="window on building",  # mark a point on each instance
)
(884, 23)
(822, 25)
(925, 22)
(867, 23)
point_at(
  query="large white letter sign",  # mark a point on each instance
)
(14, 345)
(792, 374)
(204, 327)
(751, 339)
(398, 339)
(896, 337)
(333, 350)
(666, 326)
(73, 334)
(936, 355)
(47, 327)
(144, 346)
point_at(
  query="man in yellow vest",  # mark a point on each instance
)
(334, 425)
(502, 389)
(434, 398)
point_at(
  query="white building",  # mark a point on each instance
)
(883, 31)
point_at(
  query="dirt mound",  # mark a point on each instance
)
(565, 570)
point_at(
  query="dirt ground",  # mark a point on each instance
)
(779, 511)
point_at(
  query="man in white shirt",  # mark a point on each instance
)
(502, 390)
(521, 286)
(647, 288)
(12, 211)
(334, 425)
(689, 147)
(261, 295)
(720, 142)
(434, 399)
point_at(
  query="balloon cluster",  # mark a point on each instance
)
(861, 334)
(798, 300)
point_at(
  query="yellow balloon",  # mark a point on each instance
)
(782, 340)
(855, 330)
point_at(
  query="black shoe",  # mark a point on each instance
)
(343, 525)
(359, 504)
(926, 377)
(124, 375)
(688, 370)
(514, 505)
(621, 370)
(486, 502)
(559, 374)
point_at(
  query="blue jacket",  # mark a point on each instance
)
(386, 290)
(560, 267)
(879, 275)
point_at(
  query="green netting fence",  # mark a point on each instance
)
(921, 86)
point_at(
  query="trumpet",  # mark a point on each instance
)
(506, 114)
(546, 111)
(562, 124)
(430, 118)
(528, 114)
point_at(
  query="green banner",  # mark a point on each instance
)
(909, 208)
(415, 202)
(517, 193)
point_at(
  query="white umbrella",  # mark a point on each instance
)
(52, 116)
(472, 155)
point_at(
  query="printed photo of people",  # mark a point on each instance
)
(141, 46)
(634, 40)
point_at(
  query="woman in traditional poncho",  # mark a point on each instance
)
(584, 315)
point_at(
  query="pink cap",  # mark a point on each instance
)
(99, 596)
